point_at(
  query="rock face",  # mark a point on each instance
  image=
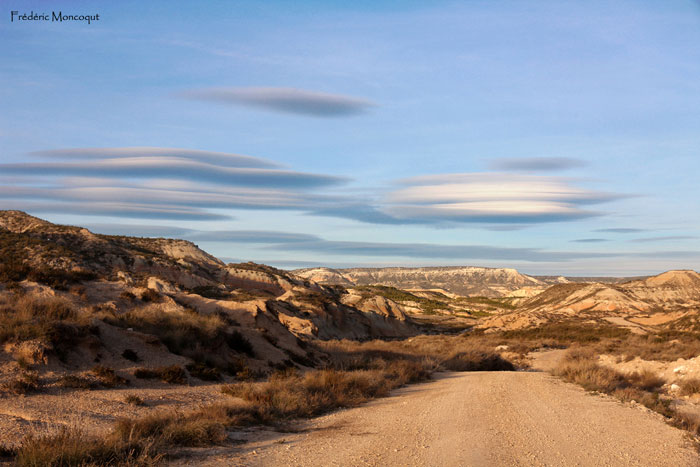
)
(469, 280)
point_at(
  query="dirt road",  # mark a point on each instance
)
(479, 419)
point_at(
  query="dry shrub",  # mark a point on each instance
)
(663, 345)
(477, 360)
(290, 395)
(52, 321)
(75, 382)
(133, 400)
(578, 368)
(204, 372)
(73, 448)
(174, 429)
(107, 377)
(650, 400)
(646, 380)
(316, 392)
(169, 374)
(151, 296)
(686, 421)
(25, 383)
(690, 386)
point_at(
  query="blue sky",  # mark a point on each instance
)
(555, 137)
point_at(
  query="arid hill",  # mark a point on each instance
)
(154, 290)
(671, 298)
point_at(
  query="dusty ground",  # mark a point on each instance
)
(480, 418)
(94, 411)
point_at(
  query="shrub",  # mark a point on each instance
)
(210, 291)
(70, 447)
(76, 382)
(23, 384)
(127, 296)
(646, 380)
(107, 377)
(50, 320)
(477, 360)
(151, 296)
(591, 376)
(690, 386)
(133, 400)
(204, 372)
(169, 374)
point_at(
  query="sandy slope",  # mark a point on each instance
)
(507, 418)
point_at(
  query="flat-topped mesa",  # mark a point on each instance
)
(463, 280)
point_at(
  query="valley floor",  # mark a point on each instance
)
(477, 418)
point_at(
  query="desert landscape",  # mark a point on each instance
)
(138, 351)
(334, 233)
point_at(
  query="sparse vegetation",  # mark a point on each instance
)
(107, 377)
(25, 383)
(133, 400)
(172, 374)
(151, 296)
(204, 372)
(690, 386)
(75, 382)
(71, 447)
(207, 339)
(52, 321)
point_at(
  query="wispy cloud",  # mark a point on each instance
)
(286, 100)
(666, 238)
(590, 240)
(118, 209)
(492, 198)
(158, 183)
(620, 230)
(227, 236)
(171, 183)
(535, 164)
(425, 250)
(172, 167)
(211, 157)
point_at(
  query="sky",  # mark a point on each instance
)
(555, 137)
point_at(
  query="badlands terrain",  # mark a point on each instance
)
(142, 351)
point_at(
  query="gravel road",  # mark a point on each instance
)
(479, 419)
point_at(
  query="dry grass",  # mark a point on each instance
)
(25, 383)
(133, 400)
(291, 396)
(665, 346)
(690, 386)
(72, 448)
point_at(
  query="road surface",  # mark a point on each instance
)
(473, 419)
